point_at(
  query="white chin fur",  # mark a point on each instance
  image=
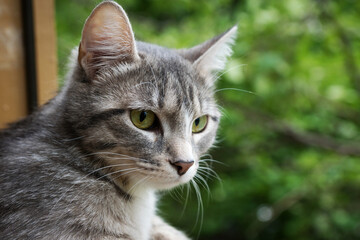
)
(167, 183)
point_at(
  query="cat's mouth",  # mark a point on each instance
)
(167, 178)
(175, 176)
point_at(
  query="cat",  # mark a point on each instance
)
(133, 118)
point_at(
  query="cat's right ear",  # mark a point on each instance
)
(107, 38)
(210, 57)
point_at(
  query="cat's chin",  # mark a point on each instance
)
(166, 184)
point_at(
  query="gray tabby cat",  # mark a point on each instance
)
(132, 119)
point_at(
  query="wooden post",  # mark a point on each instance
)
(45, 46)
(13, 80)
(12, 72)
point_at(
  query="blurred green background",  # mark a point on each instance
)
(291, 150)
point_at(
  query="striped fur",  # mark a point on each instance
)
(78, 168)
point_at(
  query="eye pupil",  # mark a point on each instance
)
(197, 121)
(143, 115)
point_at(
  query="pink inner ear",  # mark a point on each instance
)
(107, 37)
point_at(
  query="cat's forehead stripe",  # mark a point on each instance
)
(100, 117)
(172, 89)
(162, 87)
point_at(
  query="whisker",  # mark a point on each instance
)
(94, 171)
(210, 172)
(224, 112)
(118, 154)
(175, 194)
(152, 71)
(235, 89)
(118, 171)
(186, 198)
(213, 161)
(72, 139)
(77, 181)
(126, 171)
(206, 155)
(136, 184)
(228, 70)
(200, 212)
(122, 157)
(203, 183)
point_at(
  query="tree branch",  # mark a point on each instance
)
(318, 141)
(307, 138)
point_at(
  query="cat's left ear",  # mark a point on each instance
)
(210, 56)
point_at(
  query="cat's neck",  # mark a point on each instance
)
(142, 211)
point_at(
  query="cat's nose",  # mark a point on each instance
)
(182, 166)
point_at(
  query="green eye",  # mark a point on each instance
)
(199, 124)
(142, 119)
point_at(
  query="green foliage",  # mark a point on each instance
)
(290, 150)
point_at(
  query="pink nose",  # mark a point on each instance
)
(182, 166)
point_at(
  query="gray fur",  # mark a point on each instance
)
(58, 176)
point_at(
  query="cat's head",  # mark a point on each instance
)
(146, 112)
